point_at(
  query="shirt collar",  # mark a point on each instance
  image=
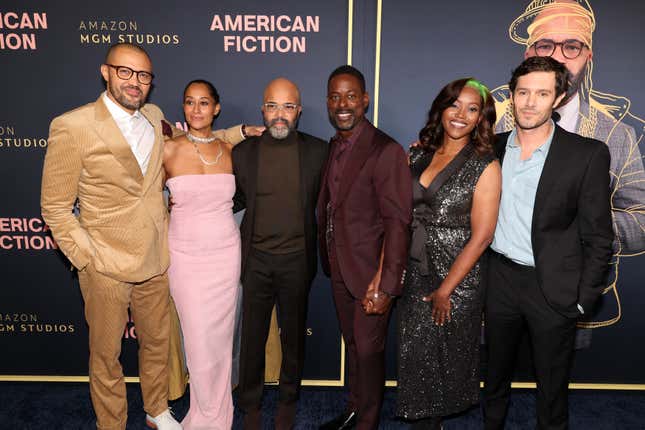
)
(510, 141)
(358, 129)
(569, 114)
(117, 112)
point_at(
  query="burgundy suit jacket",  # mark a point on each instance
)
(374, 206)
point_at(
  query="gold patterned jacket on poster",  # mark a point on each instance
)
(123, 222)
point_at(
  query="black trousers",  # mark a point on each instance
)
(270, 279)
(515, 303)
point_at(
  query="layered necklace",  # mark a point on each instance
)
(205, 141)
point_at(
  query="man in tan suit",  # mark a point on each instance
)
(108, 155)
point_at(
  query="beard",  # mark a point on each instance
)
(344, 125)
(530, 124)
(279, 132)
(123, 99)
(575, 83)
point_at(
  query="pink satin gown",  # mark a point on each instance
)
(204, 274)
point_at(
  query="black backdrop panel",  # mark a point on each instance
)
(50, 56)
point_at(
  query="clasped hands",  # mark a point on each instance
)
(376, 302)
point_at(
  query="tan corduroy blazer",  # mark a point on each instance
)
(123, 223)
(122, 227)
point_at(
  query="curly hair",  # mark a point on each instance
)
(483, 136)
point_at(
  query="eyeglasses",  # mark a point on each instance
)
(125, 73)
(274, 107)
(571, 49)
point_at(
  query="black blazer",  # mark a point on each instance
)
(312, 155)
(571, 230)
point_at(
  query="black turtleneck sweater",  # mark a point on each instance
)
(279, 217)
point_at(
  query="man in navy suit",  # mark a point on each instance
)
(552, 244)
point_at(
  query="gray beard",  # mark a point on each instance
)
(279, 132)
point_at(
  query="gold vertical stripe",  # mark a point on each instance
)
(342, 361)
(377, 63)
(350, 29)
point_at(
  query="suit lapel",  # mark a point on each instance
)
(500, 146)
(323, 195)
(156, 158)
(303, 167)
(555, 163)
(363, 148)
(252, 178)
(111, 135)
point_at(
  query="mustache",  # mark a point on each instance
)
(274, 121)
(132, 87)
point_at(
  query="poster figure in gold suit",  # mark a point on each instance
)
(563, 29)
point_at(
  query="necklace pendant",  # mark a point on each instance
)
(204, 160)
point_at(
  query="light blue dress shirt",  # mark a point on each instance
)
(520, 180)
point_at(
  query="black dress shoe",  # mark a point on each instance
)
(285, 416)
(252, 420)
(344, 421)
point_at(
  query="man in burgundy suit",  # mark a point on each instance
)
(364, 212)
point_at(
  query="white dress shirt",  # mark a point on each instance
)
(136, 129)
(569, 114)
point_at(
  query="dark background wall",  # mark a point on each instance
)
(423, 46)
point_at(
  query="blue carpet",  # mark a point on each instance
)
(66, 406)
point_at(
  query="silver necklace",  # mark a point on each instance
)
(205, 140)
(198, 139)
(205, 161)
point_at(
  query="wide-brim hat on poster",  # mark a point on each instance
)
(519, 28)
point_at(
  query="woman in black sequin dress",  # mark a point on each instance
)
(456, 188)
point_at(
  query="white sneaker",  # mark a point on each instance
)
(163, 421)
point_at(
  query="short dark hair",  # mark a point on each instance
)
(431, 135)
(127, 45)
(542, 64)
(348, 70)
(211, 88)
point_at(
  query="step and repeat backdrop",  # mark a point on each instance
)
(50, 57)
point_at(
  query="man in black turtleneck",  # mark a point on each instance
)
(278, 179)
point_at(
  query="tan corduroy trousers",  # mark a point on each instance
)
(106, 311)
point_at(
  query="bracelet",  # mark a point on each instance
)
(244, 135)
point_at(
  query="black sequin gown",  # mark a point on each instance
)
(439, 365)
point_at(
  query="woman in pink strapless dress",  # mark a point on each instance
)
(204, 274)
(204, 243)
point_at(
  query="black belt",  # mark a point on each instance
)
(507, 261)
